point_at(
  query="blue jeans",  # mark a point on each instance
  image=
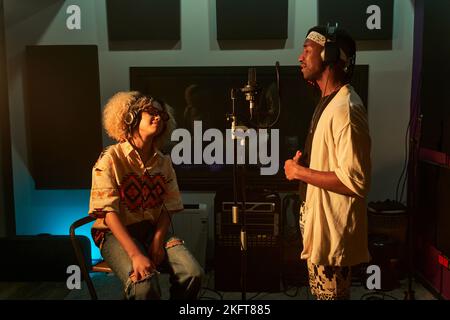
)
(185, 272)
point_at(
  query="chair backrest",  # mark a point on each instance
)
(81, 256)
(86, 266)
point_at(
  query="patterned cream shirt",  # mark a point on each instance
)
(135, 191)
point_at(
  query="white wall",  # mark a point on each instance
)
(40, 22)
(43, 22)
(390, 77)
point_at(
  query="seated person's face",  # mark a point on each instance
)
(152, 122)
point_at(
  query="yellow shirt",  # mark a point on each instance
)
(335, 225)
(123, 184)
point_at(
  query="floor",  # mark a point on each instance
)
(109, 288)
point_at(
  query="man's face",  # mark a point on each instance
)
(311, 62)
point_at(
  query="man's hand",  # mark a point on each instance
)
(291, 166)
(326, 180)
(297, 157)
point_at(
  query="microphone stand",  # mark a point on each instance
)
(250, 91)
(412, 201)
(235, 209)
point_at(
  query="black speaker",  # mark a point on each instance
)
(263, 261)
(443, 216)
(39, 258)
(294, 271)
(385, 253)
(432, 221)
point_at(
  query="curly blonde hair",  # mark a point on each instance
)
(117, 108)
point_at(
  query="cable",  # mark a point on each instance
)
(308, 293)
(206, 288)
(403, 187)
(285, 292)
(405, 166)
(373, 296)
(168, 214)
(253, 297)
(210, 298)
(411, 127)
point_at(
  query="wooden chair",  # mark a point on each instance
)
(86, 266)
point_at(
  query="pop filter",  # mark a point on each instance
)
(268, 108)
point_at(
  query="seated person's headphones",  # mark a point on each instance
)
(133, 116)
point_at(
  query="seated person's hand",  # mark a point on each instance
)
(142, 267)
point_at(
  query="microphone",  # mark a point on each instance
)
(251, 90)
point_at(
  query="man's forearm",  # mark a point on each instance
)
(324, 180)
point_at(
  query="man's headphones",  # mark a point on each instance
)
(331, 52)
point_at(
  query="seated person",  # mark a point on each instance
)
(134, 193)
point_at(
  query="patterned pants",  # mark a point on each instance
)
(329, 282)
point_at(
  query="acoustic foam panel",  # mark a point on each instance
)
(352, 16)
(143, 20)
(62, 107)
(251, 19)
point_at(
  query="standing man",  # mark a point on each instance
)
(334, 168)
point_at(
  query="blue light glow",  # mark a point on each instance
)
(53, 211)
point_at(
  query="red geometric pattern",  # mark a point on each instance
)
(144, 191)
(152, 191)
